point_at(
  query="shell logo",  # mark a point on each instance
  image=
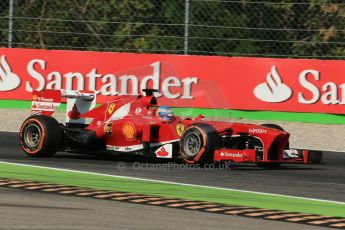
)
(128, 130)
(111, 108)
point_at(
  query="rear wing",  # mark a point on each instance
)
(46, 102)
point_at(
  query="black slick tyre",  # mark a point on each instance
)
(314, 157)
(40, 136)
(198, 144)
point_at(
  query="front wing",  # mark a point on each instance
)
(250, 155)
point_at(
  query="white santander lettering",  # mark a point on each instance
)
(36, 75)
(309, 86)
(55, 80)
(342, 87)
(124, 86)
(328, 93)
(93, 75)
(187, 87)
(331, 94)
(70, 79)
(169, 83)
(155, 78)
(109, 84)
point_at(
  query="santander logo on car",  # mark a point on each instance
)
(309, 89)
(8, 80)
(164, 151)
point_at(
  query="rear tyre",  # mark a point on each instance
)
(272, 164)
(40, 136)
(198, 144)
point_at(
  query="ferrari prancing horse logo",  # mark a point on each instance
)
(179, 129)
(111, 108)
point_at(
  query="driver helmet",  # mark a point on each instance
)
(165, 113)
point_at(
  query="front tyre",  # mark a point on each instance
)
(198, 144)
(275, 126)
(272, 164)
(40, 136)
(315, 157)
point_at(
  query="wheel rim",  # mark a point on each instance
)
(32, 136)
(192, 144)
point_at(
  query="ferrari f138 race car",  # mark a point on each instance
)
(138, 125)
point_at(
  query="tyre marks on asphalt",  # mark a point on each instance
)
(259, 213)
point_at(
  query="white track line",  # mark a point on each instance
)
(172, 183)
(9, 131)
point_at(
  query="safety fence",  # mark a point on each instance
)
(280, 28)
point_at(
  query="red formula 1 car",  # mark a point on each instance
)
(137, 125)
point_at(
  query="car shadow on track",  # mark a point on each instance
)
(282, 167)
(179, 163)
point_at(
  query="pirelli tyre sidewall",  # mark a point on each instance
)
(40, 136)
(198, 144)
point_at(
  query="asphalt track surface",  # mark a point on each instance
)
(326, 181)
(21, 209)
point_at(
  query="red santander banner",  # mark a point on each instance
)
(297, 85)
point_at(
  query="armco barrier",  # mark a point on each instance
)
(184, 81)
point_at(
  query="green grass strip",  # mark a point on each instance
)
(89, 180)
(320, 118)
(16, 104)
(13, 104)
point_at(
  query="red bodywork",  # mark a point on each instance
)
(131, 124)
